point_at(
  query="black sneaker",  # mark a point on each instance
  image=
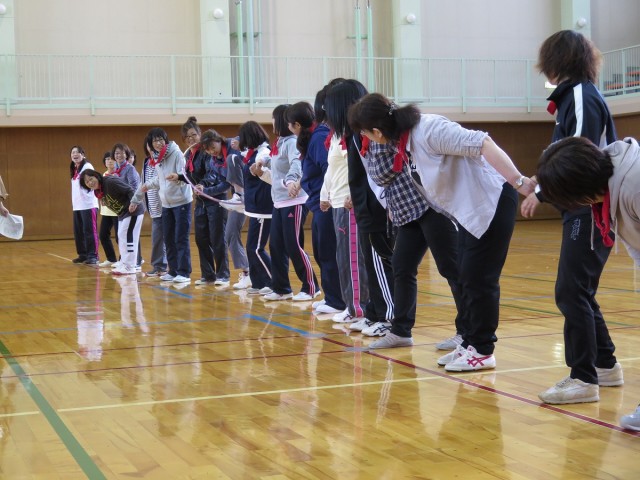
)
(91, 261)
(79, 260)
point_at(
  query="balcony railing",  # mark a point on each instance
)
(169, 83)
(621, 72)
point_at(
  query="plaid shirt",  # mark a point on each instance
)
(404, 201)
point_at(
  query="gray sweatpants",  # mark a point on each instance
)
(233, 237)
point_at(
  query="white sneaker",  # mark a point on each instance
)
(378, 329)
(221, 282)
(450, 343)
(361, 324)
(167, 277)
(235, 203)
(181, 279)
(471, 360)
(203, 281)
(124, 270)
(265, 291)
(106, 263)
(253, 291)
(244, 281)
(631, 421)
(343, 317)
(571, 390)
(451, 356)
(305, 297)
(610, 377)
(274, 297)
(315, 305)
(391, 340)
(117, 264)
(326, 309)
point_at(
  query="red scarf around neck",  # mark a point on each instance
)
(602, 220)
(192, 154)
(274, 147)
(224, 154)
(98, 193)
(118, 170)
(153, 162)
(76, 173)
(327, 141)
(365, 145)
(401, 157)
(249, 154)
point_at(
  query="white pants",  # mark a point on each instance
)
(128, 239)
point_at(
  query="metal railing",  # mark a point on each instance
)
(621, 72)
(171, 82)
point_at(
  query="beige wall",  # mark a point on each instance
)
(126, 27)
(451, 28)
(505, 29)
(615, 23)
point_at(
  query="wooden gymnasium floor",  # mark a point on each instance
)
(131, 378)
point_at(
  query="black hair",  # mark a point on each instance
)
(280, 127)
(192, 122)
(337, 102)
(104, 158)
(146, 144)
(125, 149)
(211, 136)
(90, 173)
(318, 105)
(573, 172)
(72, 166)
(302, 113)
(377, 111)
(157, 132)
(251, 135)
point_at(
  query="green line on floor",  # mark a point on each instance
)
(79, 454)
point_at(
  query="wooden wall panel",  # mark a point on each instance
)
(34, 162)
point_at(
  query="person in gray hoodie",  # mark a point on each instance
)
(176, 198)
(574, 172)
(289, 214)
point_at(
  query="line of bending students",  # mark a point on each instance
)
(384, 184)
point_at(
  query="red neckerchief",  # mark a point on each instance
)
(98, 193)
(401, 157)
(313, 127)
(327, 141)
(601, 218)
(117, 171)
(343, 143)
(224, 154)
(365, 145)
(552, 107)
(153, 162)
(249, 154)
(76, 174)
(274, 147)
(192, 154)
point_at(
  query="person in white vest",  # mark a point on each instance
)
(465, 176)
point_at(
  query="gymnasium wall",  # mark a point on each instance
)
(34, 162)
